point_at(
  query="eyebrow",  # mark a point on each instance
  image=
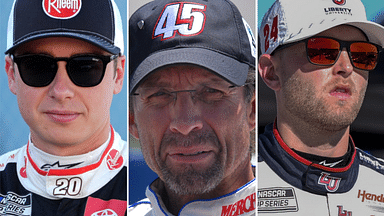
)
(156, 83)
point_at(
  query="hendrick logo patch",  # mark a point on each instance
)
(14, 204)
(278, 199)
(62, 9)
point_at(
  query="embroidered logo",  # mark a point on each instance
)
(14, 204)
(370, 197)
(186, 19)
(114, 159)
(105, 212)
(62, 9)
(270, 32)
(99, 207)
(339, 2)
(70, 187)
(242, 206)
(57, 165)
(342, 212)
(277, 200)
(330, 183)
(23, 170)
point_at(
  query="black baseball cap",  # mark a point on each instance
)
(208, 33)
(95, 21)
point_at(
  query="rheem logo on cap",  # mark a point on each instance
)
(62, 9)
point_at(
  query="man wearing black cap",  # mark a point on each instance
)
(64, 62)
(192, 107)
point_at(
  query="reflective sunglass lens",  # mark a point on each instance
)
(364, 55)
(323, 51)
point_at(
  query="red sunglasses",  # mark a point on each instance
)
(325, 51)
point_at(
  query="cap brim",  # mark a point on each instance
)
(97, 41)
(374, 31)
(224, 66)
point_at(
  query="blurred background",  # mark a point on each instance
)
(368, 129)
(140, 176)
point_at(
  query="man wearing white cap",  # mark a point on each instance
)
(316, 56)
(64, 62)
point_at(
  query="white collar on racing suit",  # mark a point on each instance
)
(239, 202)
(75, 182)
(47, 161)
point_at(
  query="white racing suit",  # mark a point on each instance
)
(291, 185)
(99, 188)
(239, 202)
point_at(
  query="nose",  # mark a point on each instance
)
(186, 116)
(61, 87)
(343, 66)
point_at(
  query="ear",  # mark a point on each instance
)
(119, 77)
(132, 125)
(267, 71)
(10, 70)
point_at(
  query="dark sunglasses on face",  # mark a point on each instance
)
(39, 70)
(325, 51)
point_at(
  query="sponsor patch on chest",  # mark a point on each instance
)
(277, 199)
(14, 204)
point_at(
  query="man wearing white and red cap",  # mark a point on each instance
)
(316, 56)
(64, 62)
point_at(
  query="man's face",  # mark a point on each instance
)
(326, 97)
(62, 113)
(199, 139)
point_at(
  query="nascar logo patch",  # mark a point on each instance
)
(14, 204)
(62, 9)
(277, 200)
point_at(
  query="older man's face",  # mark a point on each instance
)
(194, 140)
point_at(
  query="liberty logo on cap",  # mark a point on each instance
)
(339, 2)
(62, 9)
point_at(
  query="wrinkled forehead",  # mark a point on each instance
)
(182, 74)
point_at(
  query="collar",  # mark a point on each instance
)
(241, 202)
(76, 182)
(303, 173)
(46, 161)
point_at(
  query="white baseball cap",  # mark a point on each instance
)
(289, 21)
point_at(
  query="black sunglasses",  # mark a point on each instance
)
(39, 70)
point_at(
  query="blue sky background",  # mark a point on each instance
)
(13, 130)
